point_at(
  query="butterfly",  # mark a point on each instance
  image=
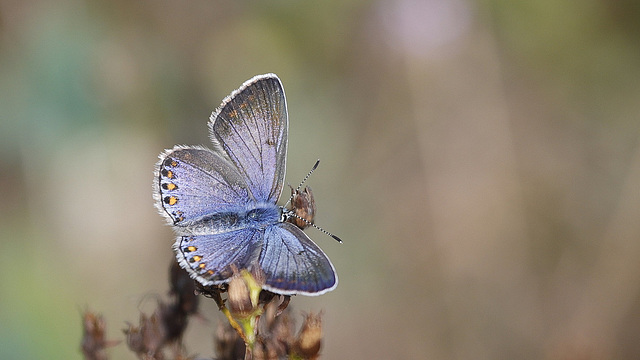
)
(222, 202)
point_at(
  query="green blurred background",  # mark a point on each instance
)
(481, 160)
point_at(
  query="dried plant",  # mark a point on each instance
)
(259, 324)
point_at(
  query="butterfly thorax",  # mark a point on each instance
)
(255, 216)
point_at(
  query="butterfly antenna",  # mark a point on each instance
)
(315, 166)
(327, 233)
(316, 226)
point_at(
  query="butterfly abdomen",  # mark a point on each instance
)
(257, 217)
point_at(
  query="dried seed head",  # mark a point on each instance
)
(149, 337)
(93, 338)
(239, 297)
(183, 289)
(309, 340)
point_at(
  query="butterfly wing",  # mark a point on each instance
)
(211, 258)
(251, 128)
(192, 183)
(293, 264)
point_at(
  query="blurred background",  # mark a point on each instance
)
(480, 159)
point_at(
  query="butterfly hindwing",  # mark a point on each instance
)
(211, 258)
(251, 128)
(293, 264)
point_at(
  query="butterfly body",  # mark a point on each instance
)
(222, 202)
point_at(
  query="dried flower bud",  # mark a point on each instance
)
(239, 297)
(93, 338)
(135, 340)
(174, 320)
(309, 340)
(155, 333)
(183, 289)
(149, 337)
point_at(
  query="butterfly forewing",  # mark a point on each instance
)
(195, 182)
(251, 128)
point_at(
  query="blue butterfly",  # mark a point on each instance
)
(222, 202)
